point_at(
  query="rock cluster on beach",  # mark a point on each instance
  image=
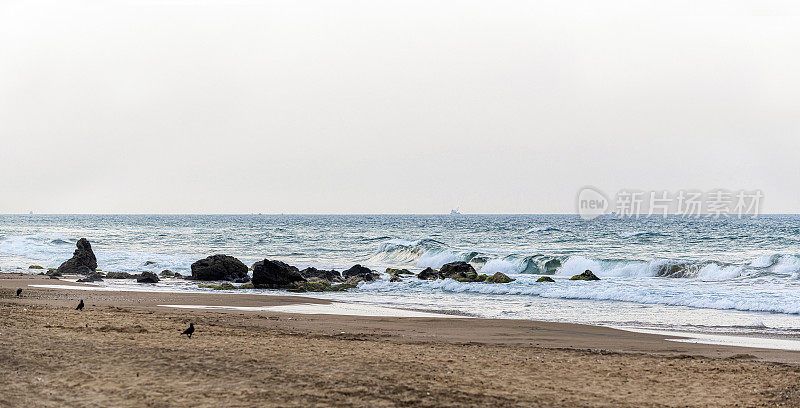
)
(271, 274)
(274, 274)
(83, 261)
(462, 272)
(330, 276)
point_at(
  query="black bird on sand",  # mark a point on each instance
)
(80, 305)
(19, 292)
(188, 332)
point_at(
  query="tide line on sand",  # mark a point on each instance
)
(335, 308)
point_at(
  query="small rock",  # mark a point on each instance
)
(119, 275)
(587, 276)
(499, 277)
(92, 277)
(361, 272)
(545, 279)
(222, 286)
(394, 271)
(428, 274)
(147, 277)
(455, 270)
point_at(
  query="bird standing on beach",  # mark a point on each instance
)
(188, 332)
(80, 305)
(19, 292)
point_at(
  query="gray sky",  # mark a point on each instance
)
(392, 106)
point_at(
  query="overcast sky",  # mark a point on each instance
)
(392, 106)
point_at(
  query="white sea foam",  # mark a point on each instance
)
(504, 265)
(717, 272)
(657, 291)
(764, 261)
(787, 264)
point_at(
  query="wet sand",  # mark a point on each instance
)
(125, 350)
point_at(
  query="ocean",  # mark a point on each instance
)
(726, 275)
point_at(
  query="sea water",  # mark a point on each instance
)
(724, 275)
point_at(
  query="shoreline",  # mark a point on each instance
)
(125, 350)
(786, 342)
(556, 334)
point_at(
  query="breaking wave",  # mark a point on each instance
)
(426, 253)
(432, 253)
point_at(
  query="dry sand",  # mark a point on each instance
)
(125, 350)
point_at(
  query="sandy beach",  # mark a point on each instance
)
(125, 350)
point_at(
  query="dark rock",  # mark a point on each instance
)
(499, 277)
(222, 286)
(166, 273)
(545, 279)
(92, 277)
(275, 274)
(393, 271)
(119, 275)
(219, 267)
(428, 274)
(317, 286)
(330, 276)
(361, 272)
(470, 277)
(455, 270)
(147, 277)
(82, 262)
(395, 278)
(35, 267)
(148, 263)
(587, 276)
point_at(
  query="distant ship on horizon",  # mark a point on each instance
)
(455, 212)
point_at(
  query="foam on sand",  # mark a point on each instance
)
(349, 309)
(723, 340)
